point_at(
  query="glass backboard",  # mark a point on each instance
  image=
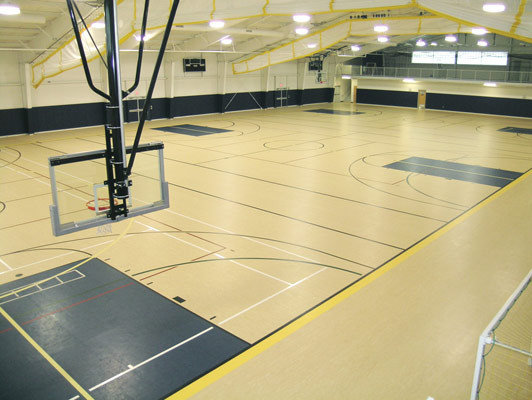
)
(80, 193)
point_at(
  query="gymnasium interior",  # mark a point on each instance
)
(266, 199)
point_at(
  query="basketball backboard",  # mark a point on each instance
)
(81, 196)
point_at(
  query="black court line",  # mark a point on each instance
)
(335, 112)
(456, 171)
(114, 336)
(191, 130)
(514, 129)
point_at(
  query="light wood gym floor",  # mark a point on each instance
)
(349, 278)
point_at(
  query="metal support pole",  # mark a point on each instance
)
(117, 168)
(117, 179)
(153, 81)
(81, 51)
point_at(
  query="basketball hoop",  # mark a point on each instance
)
(99, 205)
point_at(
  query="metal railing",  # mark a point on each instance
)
(446, 74)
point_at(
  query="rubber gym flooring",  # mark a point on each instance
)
(273, 214)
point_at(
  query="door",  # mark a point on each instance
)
(421, 99)
(281, 97)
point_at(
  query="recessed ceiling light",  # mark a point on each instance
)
(98, 25)
(216, 24)
(380, 28)
(312, 45)
(9, 9)
(494, 7)
(301, 31)
(482, 43)
(355, 47)
(490, 84)
(421, 43)
(226, 41)
(409, 80)
(450, 38)
(433, 43)
(301, 18)
(479, 31)
(382, 39)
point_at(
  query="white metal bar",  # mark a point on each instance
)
(486, 334)
(516, 349)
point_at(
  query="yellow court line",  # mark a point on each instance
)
(48, 358)
(30, 285)
(275, 338)
(35, 345)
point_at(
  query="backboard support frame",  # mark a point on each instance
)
(118, 168)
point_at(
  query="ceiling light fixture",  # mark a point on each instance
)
(421, 43)
(301, 18)
(382, 39)
(226, 41)
(433, 43)
(493, 7)
(479, 31)
(312, 45)
(9, 9)
(409, 80)
(301, 31)
(146, 37)
(490, 84)
(346, 76)
(355, 47)
(451, 38)
(380, 28)
(482, 43)
(216, 24)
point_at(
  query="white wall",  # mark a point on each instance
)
(11, 86)
(70, 87)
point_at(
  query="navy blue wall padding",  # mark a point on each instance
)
(293, 97)
(387, 97)
(40, 119)
(160, 108)
(242, 101)
(13, 121)
(269, 99)
(194, 105)
(320, 95)
(479, 104)
(65, 117)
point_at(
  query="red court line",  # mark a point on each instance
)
(187, 233)
(70, 306)
(158, 273)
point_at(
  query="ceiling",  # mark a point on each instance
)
(44, 26)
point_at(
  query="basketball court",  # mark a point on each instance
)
(273, 213)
